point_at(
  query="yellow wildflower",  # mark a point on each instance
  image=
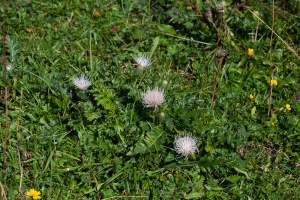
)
(288, 107)
(34, 194)
(251, 96)
(96, 12)
(273, 82)
(29, 29)
(250, 52)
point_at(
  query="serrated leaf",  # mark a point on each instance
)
(91, 116)
(104, 97)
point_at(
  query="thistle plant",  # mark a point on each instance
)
(13, 47)
(54, 139)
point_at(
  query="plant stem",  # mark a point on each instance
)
(149, 3)
(18, 148)
(91, 56)
(6, 93)
(271, 69)
(216, 82)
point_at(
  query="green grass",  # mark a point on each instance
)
(102, 143)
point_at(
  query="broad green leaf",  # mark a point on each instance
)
(253, 110)
(148, 142)
(256, 15)
(43, 120)
(31, 117)
(189, 25)
(233, 179)
(209, 148)
(242, 171)
(214, 187)
(199, 5)
(169, 157)
(166, 28)
(242, 61)
(274, 118)
(194, 195)
(277, 53)
(155, 45)
(170, 123)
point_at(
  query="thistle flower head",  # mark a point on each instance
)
(209, 15)
(143, 61)
(153, 98)
(185, 145)
(9, 66)
(221, 53)
(221, 6)
(82, 82)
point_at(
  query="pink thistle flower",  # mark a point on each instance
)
(143, 61)
(185, 145)
(153, 98)
(82, 82)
